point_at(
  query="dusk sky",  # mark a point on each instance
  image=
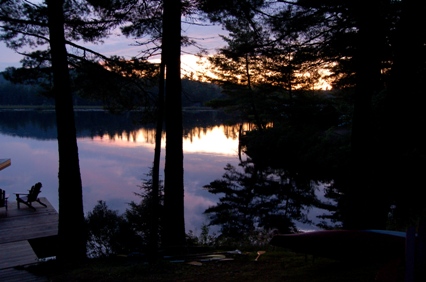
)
(206, 36)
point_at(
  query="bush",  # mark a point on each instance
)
(109, 233)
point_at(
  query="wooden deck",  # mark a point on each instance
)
(4, 163)
(23, 230)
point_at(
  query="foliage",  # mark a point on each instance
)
(25, 25)
(204, 239)
(256, 202)
(268, 44)
(84, 21)
(142, 216)
(20, 94)
(109, 233)
(119, 85)
(277, 47)
(308, 137)
(309, 142)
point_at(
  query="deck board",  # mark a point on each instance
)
(17, 226)
(16, 253)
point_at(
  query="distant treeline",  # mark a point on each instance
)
(21, 94)
(41, 124)
(194, 93)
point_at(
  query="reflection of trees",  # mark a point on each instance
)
(41, 125)
(231, 131)
(254, 201)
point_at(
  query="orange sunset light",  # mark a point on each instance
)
(201, 140)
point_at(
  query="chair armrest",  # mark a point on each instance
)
(23, 193)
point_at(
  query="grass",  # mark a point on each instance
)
(273, 265)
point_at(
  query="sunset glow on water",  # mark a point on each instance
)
(211, 140)
(113, 167)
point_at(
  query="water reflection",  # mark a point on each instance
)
(115, 156)
(114, 160)
(218, 139)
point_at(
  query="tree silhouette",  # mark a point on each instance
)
(174, 224)
(257, 200)
(35, 25)
(362, 50)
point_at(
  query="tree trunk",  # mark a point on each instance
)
(154, 239)
(174, 223)
(71, 228)
(365, 206)
(406, 120)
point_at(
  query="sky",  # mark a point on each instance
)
(206, 36)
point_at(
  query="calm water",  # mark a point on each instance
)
(115, 156)
(113, 162)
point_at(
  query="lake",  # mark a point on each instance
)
(115, 156)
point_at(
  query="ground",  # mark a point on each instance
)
(273, 265)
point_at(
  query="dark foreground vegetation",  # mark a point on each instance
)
(274, 265)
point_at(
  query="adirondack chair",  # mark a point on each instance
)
(3, 199)
(30, 197)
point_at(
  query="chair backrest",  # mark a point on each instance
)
(34, 191)
(2, 198)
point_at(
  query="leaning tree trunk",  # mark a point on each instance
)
(71, 231)
(155, 228)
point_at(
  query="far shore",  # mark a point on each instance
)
(83, 108)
